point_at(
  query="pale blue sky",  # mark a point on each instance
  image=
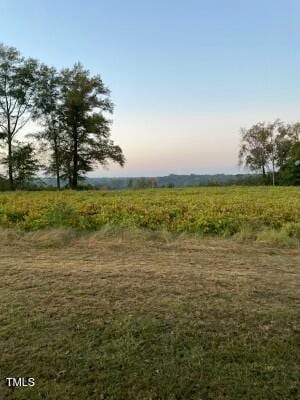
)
(184, 75)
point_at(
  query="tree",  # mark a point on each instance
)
(47, 112)
(24, 163)
(254, 148)
(289, 135)
(18, 77)
(142, 183)
(289, 171)
(3, 183)
(273, 146)
(130, 183)
(259, 148)
(85, 103)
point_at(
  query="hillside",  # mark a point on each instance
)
(163, 181)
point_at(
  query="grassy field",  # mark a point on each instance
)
(140, 295)
(249, 212)
(148, 316)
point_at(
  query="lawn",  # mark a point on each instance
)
(132, 316)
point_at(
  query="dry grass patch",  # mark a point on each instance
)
(124, 316)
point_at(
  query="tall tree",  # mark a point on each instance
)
(255, 148)
(288, 136)
(84, 109)
(274, 129)
(289, 173)
(47, 112)
(18, 77)
(261, 147)
(288, 145)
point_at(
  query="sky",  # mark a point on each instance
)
(184, 76)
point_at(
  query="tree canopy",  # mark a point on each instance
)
(271, 148)
(71, 108)
(18, 78)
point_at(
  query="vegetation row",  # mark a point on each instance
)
(204, 211)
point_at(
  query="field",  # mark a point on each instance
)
(133, 317)
(253, 212)
(160, 294)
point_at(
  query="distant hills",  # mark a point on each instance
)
(171, 180)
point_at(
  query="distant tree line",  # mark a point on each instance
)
(71, 108)
(272, 150)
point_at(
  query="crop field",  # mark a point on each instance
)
(204, 211)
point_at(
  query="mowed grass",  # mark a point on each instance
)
(142, 316)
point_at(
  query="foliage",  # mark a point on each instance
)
(290, 168)
(71, 106)
(24, 163)
(271, 148)
(141, 183)
(85, 127)
(204, 211)
(18, 78)
(4, 185)
(51, 138)
(254, 147)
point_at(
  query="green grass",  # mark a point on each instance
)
(129, 317)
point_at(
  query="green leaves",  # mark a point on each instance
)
(24, 162)
(71, 106)
(83, 109)
(271, 147)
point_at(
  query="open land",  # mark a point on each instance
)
(134, 315)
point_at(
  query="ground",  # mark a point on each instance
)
(147, 316)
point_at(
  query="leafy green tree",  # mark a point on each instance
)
(18, 77)
(24, 163)
(274, 129)
(288, 153)
(254, 151)
(259, 148)
(47, 113)
(272, 147)
(289, 135)
(289, 172)
(85, 103)
(3, 183)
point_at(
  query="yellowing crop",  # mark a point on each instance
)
(213, 211)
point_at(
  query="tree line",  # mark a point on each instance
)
(273, 150)
(71, 108)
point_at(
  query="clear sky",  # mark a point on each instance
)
(184, 75)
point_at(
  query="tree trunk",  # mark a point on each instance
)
(10, 166)
(57, 165)
(75, 159)
(264, 174)
(57, 178)
(273, 173)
